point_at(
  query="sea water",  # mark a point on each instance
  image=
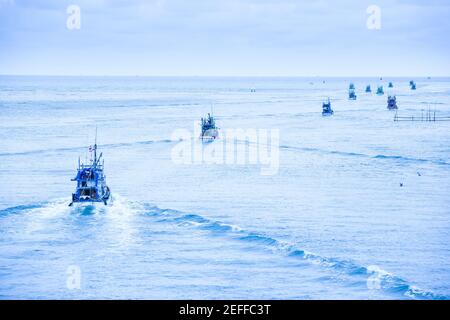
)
(358, 208)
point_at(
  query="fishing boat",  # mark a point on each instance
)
(352, 94)
(368, 89)
(209, 128)
(91, 181)
(392, 103)
(326, 109)
(391, 85)
(380, 90)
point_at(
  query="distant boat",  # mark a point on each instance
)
(352, 94)
(392, 103)
(326, 109)
(391, 85)
(380, 90)
(209, 128)
(91, 181)
(368, 89)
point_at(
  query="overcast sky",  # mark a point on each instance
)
(225, 37)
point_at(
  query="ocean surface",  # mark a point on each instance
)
(358, 209)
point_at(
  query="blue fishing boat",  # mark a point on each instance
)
(352, 94)
(368, 89)
(326, 109)
(209, 129)
(392, 103)
(91, 181)
(380, 90)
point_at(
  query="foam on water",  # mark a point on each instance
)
(123, 209)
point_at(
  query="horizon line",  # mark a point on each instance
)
(221, 76)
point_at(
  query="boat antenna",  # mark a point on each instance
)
(86, 151)
(95, 147)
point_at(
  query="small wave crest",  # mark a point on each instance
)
(118, 206)
(45, 209)
(378, 156)
(74, 149)
(19, 209)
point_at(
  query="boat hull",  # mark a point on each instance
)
(210, 134)
(96, 197)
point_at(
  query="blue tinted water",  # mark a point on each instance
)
(333, 223)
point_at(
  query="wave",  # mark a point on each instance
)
(372, 275)
(38, 212)
(118, 208)
(363, 155)
(381, 279)
(19, 209)
(111, 145)
(354, 154)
